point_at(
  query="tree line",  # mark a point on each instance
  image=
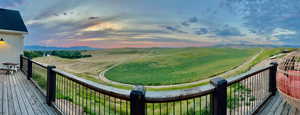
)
(60, 53)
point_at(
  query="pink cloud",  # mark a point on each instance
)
(130, 44)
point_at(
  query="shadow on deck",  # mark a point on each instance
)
(276, 105)
(19, 96)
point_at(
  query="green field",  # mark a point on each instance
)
(197, 58)
(174, 59)
(174, 66)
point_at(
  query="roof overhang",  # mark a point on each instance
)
(13, 32)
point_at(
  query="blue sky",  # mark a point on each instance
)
(158, 23)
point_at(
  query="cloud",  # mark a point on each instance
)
(185, 24)
(93, 17)
(227, 31)
(202, 31)
(174, 29)
(193, 20)
(190, 21)
(164, 40)
(269, 19)
(281, 32)
(103, 26)
(219, 31)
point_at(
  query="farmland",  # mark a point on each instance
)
(90, 67)
(180, 66)
(174, 65)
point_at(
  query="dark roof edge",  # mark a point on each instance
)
(24, 29)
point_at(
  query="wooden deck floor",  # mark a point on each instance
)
(277, 106)
(18, 96)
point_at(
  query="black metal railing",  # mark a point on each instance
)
(239, 95)
(180, 102)
(247, 92)
(74, 95)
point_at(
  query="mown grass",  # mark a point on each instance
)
(156, 53)
(266, 53)
(180, 66)
(92, 102)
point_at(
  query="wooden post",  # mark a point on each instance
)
(29, 69)
(272, 78)
(219, 97)
(51, 85)
(137, 101)
(21, 62)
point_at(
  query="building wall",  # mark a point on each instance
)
(11, 48)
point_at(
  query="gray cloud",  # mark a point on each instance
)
(263, 17)
(185, 24)
(193, 20)
(221, 31)
(227, 31)
(174, 29)
(163, 40)
(145, 31)
(93, 17)
(190, 21)
(202, 31)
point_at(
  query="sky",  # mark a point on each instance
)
(158, 23)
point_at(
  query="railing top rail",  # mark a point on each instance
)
(248, 74)
(108, 90)
(40, 64)
(156, 96)
(177, 95)
(24, 57)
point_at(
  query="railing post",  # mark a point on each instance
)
(219, 97)
(29, 69)
(21, 62)
(272, 78)
(137, 101)
(51, 85)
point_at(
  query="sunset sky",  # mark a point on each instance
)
(158, 23)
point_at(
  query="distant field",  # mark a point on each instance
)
(174, 66)
(140, 66)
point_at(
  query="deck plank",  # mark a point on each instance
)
(20, 100)
(278, 106)
(28, 96)
(5, 103)
(36, 97)
(1, 95)
(20, 96)
(14, 97)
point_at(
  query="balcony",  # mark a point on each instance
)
(41, 89)
(20, 96)
(277, 105)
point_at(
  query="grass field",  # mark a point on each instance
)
(174, 66)
(94, 102)
(89, 68)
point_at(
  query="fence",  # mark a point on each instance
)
(243, 94)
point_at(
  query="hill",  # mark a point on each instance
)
(183, 65)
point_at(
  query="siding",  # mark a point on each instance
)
(12, 47)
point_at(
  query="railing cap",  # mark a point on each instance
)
(219, 81)
(51, 66)
(274, 63)
(139, 88)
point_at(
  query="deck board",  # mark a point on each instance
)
(20, 96)
(277, 106)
